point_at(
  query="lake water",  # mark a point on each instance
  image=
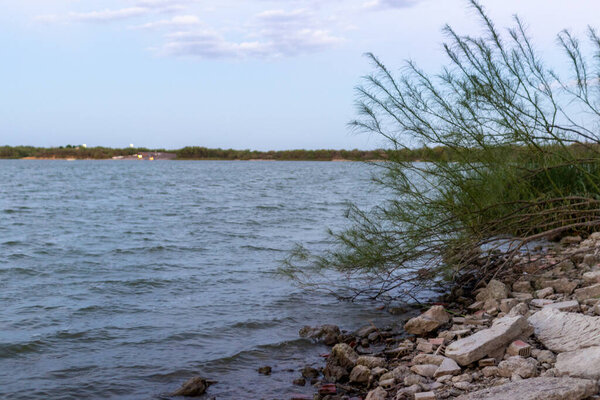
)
(123, 279)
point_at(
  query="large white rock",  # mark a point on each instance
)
(487, 341)
(561, 331)
(544, 388)
(583, 363)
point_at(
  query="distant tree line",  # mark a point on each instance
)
(204, 153)
(69, 151)
(431, 154)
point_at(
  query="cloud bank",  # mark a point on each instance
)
(194, 31)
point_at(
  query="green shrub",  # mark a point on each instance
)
(509, 163)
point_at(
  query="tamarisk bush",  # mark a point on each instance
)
(524, 142)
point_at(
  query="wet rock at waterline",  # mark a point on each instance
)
(195, 387)
(328, 334)
(265, 370)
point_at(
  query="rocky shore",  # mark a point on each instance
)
(531, 334)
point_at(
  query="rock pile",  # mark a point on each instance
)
(529, 337)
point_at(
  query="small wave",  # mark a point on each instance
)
(270, 208)
(156, 249)
(13, 243)
(9, 350)
(261, 248)
(249, 357)
(18, 256)
(255, 324)
(19, 271)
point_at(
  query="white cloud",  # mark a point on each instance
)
(96, 16)
(386, 4)
(270, 34)
(166, 6)
(210, 44)
(141, 8)
(241, 31)
(175, 22)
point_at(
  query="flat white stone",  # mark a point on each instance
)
(543, 388)
(477, 346)
(571, 305)
(561, 331)
(583, 363)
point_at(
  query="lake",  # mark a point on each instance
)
(123, 279)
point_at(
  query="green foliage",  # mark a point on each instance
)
(203, 153)
(519, 162)
(68, 151)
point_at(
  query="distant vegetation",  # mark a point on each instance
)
(69, 151)
(203, 153)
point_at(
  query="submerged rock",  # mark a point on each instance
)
(266, 370)
(194, 387)
(309, 372)
(328, 334)
(299, 382)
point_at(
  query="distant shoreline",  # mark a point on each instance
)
(175, 159)
(186, 159)
(83, 152)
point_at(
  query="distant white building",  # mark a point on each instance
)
(131, 145)
(84, 145)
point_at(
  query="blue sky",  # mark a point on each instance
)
(259, 74)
